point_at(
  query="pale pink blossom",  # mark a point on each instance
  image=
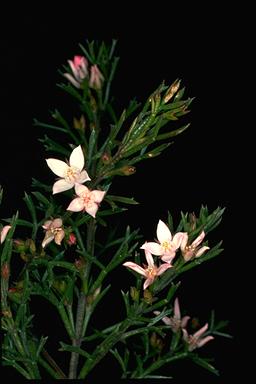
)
(79, 68)
(96, 77)
(54, 231)
(167, 244)
(176, 322)
(150, 271)
(192, 250)
(3, 232)
(86, 200)
(196, 340)
(71, 173)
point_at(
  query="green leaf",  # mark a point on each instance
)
(157, 377)
(203, 363)
(126, 301)
(70, 348)
(122, 199)
(41, 198)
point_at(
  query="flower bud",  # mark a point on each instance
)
(106, 158)
(148, 296)
(172, 90)
(127, 170)
(80, 264)
(20, 245)
(135, 294)
(5, 271)
(79, 123)
(71, 239)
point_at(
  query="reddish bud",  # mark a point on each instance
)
(71, 239)
(5, 271)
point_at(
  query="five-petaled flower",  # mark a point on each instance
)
(54, 231)
(192, 250)
(86, 200)
(70, 174)
(196, 340)
(167, 246)
(150, 271)
(79, 68)
(3, 232)
(176, 322)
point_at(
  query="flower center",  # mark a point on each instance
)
(151, 271)
(87, 198)
(72, 174)
(54, 231)
(166, 246)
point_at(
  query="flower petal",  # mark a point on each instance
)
(177, 314)
(200, 331)
(83, 177)
(166, 320)
(148, 281)
(153, 248)
(81, 189)
(58, 167)
(185, 335)
(47, 224)
(198, 240)
(163, 232)
(163, 268)
(169, 257)
(184, 242)
(92, 209)
(73, 68)
(61, 186)
(203, 341)
(135, 267)
(49, 236)
(56, 223)
(184, 321)
(4, 232)
(149, 259)
(59, 237)
(76, 205)
(177, 239)
(201, 251)
(98, 196)
(72, 80)
(77, 158)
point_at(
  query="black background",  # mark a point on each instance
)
(199, 47)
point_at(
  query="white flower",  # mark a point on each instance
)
(71, 173)
(167, 246)
(86, 200)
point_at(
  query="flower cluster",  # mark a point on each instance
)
(178, 323)
(72, 174)
(80, 72)
(166, 248)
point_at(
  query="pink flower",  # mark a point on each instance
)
(192, 250)
(167, 246)
(79, 68)
(176, 322)
(3, 232)
(54, 231)
(196, 340)
(70, 174)
(87, 200)
(149, 272)
(96, 77)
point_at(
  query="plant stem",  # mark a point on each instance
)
(159, 363)
(104, 348)
(83, 313)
